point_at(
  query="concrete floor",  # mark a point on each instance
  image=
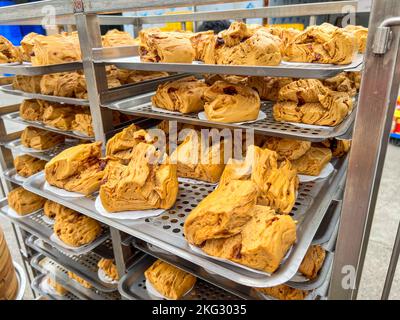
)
(383, 233)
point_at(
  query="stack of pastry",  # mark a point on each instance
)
(345, 82)
(199, 160)
(31, 110)
(75, 229)
(109, 268)
(313, 161)
(183, 95)
(322, 44)
(8, 276)
(77, 169)
(51, 209)
(169, 281)
(361, 35)
(40, 139)
(310, 102)
(230, 103)
(121, 145)
(58, 115)
(80, 280)
(116, 38)
(287, 148)
(8, 52)
(27, 45)
(339, 148)
(147, 181)
(82, 123)
(277, 182)
(24, 202)
(29, 84)
(26, 165)
(268, 87)
(229, 224)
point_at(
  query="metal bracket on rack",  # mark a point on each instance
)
(383, 36)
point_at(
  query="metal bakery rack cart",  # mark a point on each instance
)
(348, 194)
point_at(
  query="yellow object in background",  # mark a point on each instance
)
(175, 26)
(298, 26)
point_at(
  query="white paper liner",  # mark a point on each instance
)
(47, 220)
(24, 149)
(194, 181)
(19, 178)
(13, 214)
(261, 116)
(105, 278)
(201, 252)
(156, 109)
(155, 294)
(73, 250)
(61, 192)
(311, 126)
(126, 215)
(325, 172)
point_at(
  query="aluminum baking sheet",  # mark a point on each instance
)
(26, 68)
(35, 225)
(10, 175)
(15, 117)
(132, 285)
(46, 265)
(8, 89)
(267, 126)
(85, 265)
(285, 69)
(16, 146)
(166, 231)
(36, 285)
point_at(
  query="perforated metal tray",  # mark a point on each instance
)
(46, 265)
(132, 286)
(26, 68)
(16, 146)
(285, 69)
(166, 231)
(84, 265)
(15, 117)
(8, 89)
(9, 174)
(35, 225)
(267, 126)
(328, 225)
(35, 285)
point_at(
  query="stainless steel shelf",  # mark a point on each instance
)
(132, 286)
(85, 265)
(285, 69)
(328, 225)
(267, 126)
(8, 89)
(46, 265)
(47, 155)
(9, 174)
(15, 117)
(26, 69)
(37, 288)
(166, 231)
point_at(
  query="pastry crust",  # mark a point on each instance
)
(312, 262)
(148, 181)
(313, 161)
(31, 110)
(57, 287)
(116, 38)
(183, 95)
(223, 213)
(8, 52)
(58, 115)
(24, 202)
(83, 124)
(169, 281)
(27, 165)
(29, 84)
(287, 148)
(75, 229)
(230, 103)
(109, 268)
(77, 169)
(40, 139)
(81, 281)
(267, 87)
(343, 82)
(27, 44)
(283, 292)
(361, 34)
(51, 209)
(135, 76)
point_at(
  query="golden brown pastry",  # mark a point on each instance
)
(148, 181)
(48, 83)
(195, 161)
(56, 286)
(267, 87)
(75, 229)
(116, 38)
(8, 52)
(24, 202)
(322, 44)
(199, 42)
(77, 169)
(55, 49)
(169, 281)
(183, 95)
(27, 45)
(313, 161)
(286, 35)
(312, 262)
(339, 148)
(287, 148)
(223, 213)
(135, 76)
(58, 115)
(283, 292)
(81, 281)
(27, 165)
(361, 35)
(277, 183)
(29, 84)
(83, 124)
(262, 243)
(210, 79)
(66, 84)
(109, 268)
(40, 139)
(171, 47)
(51, 209)
(343, 82)
(31, 110)
(230, 103)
